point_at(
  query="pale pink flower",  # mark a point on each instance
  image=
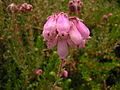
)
(38, 71)
(25, 8)
(49, 29)
(75, 35)
(62, 49)
(65, 31)
(84, 31)
(63, 24)
(12, 7)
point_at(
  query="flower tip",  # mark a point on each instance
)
(88, 37)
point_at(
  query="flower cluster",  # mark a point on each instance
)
(24, 8)
(65, 31)
(75, 5)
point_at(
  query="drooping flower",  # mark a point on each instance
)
(75, 35)
(62, 49)
(49, 29)
(25, 8)
(65, 31)
(63, 24)
(84, 31)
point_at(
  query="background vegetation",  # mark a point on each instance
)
(22, 49)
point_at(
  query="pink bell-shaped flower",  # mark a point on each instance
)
(75, 35)
(62, 49)
(49, 29)
(63, 24)
(84, 31)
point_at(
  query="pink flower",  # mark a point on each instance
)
(75, 35)
(84, 31)
(38, 71)
(25, 8)
(110, 14)
(12, 7)
(105, 17)
(63, 24)
(65, 31)
(62, 49)
(65, 73)
(49, 29)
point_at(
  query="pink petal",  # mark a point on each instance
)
(84, 31)
(62, 49)
(75, 35)
(49, 29)
(63, 24)
(71, 43)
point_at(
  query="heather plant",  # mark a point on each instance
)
(27, 63)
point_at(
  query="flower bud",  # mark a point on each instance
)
(65, 73)
(38, 71)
